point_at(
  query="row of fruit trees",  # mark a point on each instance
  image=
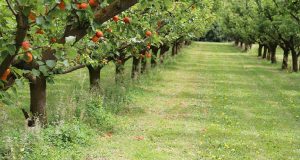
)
(42, 39)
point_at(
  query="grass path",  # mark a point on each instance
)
(212, 103)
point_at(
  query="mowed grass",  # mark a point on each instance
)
(211, 102)
(214, 102)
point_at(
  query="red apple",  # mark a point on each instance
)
(25, 45)
(148, 33)
(116, 18)
(28, 57)
(126, 20)
(5, 74)
(53, 40)
(39, 31)
(95, 38)
(99, 34)
(83, 6)
(149, 46)
(93, 3)
(62, 5)
(148, 55)
(32, 16)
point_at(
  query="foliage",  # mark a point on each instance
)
(215, 34)
(97, 116)
(68, 135)
(54, 142)
(42, 39)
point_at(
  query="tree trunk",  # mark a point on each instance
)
(269, 54)
(241, 44)
(145, 65)
(154, 56)
(94, 74)
(178, 47)
(136, 68)
(236, 42)
(265, 52)
(163, 50)
(38, 99)
(273, 53)
(295, 61)
(174, 48)
(246, 47)
(285, 59)
(260, 48)
(120, 69)
(187, 42)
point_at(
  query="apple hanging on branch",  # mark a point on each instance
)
(82, 6)
(148, 33)
(126, 20)
(28, 57)
(5, 74)
(116, 18)
(93, 3)
(25, 45)
(62, 6)
(99, 34)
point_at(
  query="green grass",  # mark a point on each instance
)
(212, 102)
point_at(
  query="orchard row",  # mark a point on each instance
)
(270, 23)
(39, 40)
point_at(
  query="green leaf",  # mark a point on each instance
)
(35, 72)
(40, 20)
(51, 63)
(44, 70)
(66, 63)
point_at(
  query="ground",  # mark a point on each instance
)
(211, 102)
(214, 102)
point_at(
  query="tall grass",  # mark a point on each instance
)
(76, 115)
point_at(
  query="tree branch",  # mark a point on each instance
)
(101, 16)
(22, 28)
(72, 69)
(127, 58)
(52, 9)
(10, 7)
(113, 9)
(295, 17)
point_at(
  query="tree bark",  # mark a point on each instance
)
(260, 49)
(154, 56)
(236, 42)
(38, 98)
(285, 59)
(265, 52)
(269, 54)
(144, 65)
(178, 47)
(174, 48)
(120, 71)
(187, 42)
(273, 48)
(136, 68)
(295, 61)
(246, 47)
(164, 49)
(94, 74)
